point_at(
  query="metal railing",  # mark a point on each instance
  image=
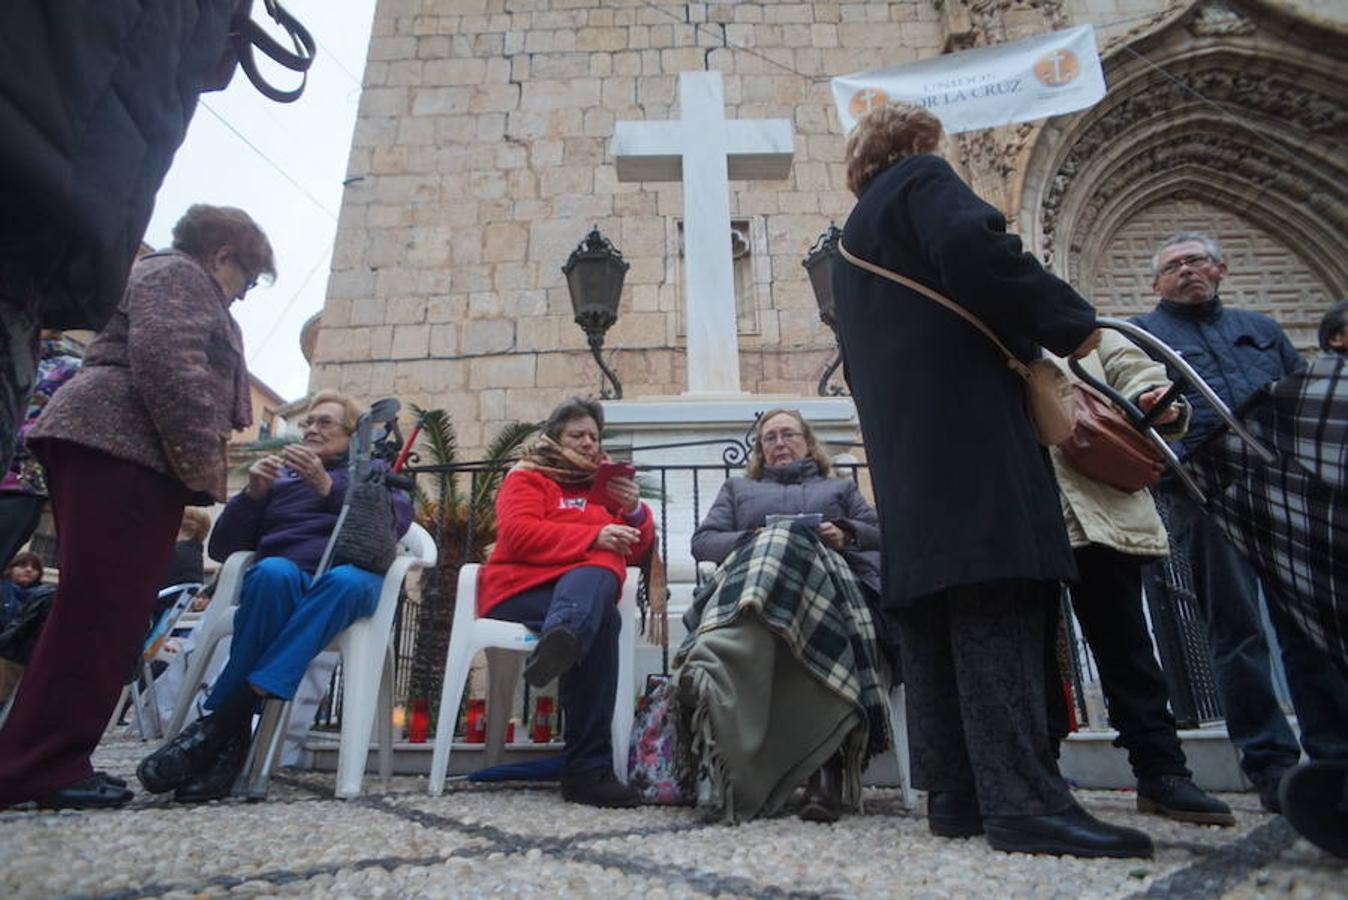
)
(679, 496)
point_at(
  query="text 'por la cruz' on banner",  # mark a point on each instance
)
(1034, 78)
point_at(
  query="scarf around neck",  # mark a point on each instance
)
(561, 464)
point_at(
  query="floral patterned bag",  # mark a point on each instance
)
(651, 758)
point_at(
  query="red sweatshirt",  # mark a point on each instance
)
(545, 529)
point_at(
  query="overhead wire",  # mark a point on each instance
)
(271, 332)
(269, 161)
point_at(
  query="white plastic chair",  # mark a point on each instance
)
(147, 716)
(506, 644)
(367, 673)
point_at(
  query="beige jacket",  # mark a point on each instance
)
(1097, 513)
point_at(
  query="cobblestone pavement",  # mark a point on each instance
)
(480, 840)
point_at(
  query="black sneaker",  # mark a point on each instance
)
(598, 789)
(557, 651)
(1178, 798)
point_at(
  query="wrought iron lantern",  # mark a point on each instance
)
(818, 264)
(594, 275)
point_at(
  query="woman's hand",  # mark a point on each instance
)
(619, 539)
(1146, 401)
(1092, 341)
(625, 493)
(261, 474)
(832, 535)
(308, 466)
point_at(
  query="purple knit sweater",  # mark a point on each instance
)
(292, 521)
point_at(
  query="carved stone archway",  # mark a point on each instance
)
(1233, 108)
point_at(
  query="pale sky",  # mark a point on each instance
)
(309, 140)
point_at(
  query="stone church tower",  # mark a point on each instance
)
(480, 160)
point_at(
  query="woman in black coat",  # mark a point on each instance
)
(974, 544)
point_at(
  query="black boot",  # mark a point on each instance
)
(557, 651)
(953, 814)
(188, 754)
(217, 782)
(1072, 832)
(598, 789)
(1180, 799)
(823, 794)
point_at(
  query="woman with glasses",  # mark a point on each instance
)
(139, 433)
(286, 616)
(781, 677)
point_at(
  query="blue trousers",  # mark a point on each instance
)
(285, 618)
(585, 600)
(1228, 592)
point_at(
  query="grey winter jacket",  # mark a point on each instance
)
(743, 503)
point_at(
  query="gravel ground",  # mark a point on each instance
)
(516, 840)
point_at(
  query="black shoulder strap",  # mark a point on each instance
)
(245, 34)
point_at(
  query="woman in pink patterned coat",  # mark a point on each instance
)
(137, 435)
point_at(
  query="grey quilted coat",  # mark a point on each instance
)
(743, 503)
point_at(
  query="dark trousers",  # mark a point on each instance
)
(584, 599)
(1228, 593)
(19, 515)
(1108, 604)
(973, 663)
(117, 522)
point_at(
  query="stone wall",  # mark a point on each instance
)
(480, 160)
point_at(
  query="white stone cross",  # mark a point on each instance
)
(705, 150)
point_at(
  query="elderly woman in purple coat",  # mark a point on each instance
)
(286, 614)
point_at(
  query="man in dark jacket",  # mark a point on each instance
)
(95, 97)
(1237, 352)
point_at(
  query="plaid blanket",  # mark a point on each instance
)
(806, 594)
(1291, 518)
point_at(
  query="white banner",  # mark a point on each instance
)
(1028, 79)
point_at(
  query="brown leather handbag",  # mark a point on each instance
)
(1106, 447)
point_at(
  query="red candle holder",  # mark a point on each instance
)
(418, 726)
(475, 725)
(540, 731)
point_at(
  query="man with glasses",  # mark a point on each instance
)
(1237, 352)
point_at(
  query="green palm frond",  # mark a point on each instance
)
(438, 434)
(442, 444)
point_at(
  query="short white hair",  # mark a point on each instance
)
(1210, 247)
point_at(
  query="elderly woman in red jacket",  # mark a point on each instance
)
(562, 551)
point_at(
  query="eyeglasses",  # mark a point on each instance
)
(1192, 262)
(780, 437)
(322, 423)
